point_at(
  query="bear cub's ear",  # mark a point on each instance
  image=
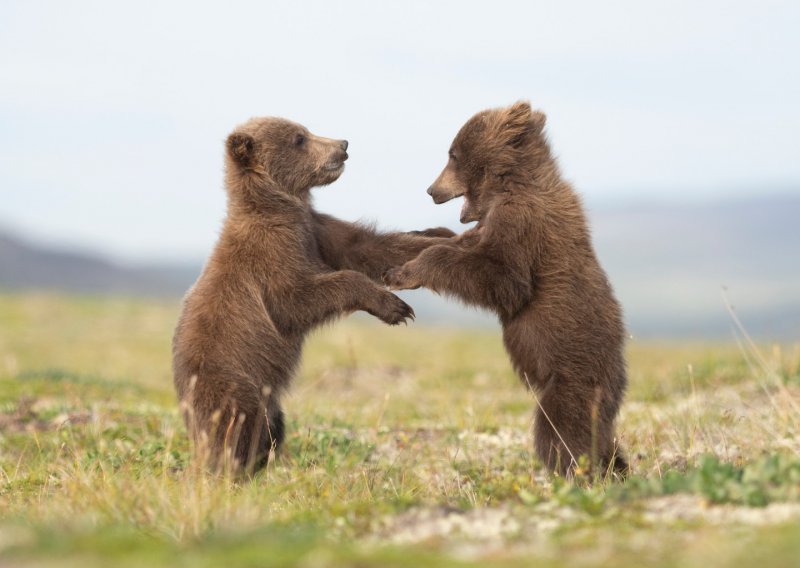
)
(240, 148)
(538, 118)
(521, 122)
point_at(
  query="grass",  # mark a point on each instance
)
(406, 447)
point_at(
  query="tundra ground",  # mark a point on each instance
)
(405, 447)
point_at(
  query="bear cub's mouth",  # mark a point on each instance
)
(333, 166)
(336, 163)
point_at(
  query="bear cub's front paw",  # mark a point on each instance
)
(442, 232)
(393, 310)
(401, 278)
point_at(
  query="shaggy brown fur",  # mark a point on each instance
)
(278, 270)
(530, 259)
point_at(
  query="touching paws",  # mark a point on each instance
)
(401, 278)
(393, 310)
(443, 232)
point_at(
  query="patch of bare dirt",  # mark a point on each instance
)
(30, 415)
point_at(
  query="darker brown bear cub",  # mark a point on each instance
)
(530, 259)
(278, 270)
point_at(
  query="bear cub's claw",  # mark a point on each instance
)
(396, 311)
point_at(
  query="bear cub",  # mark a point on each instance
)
(278, 270)
(530, 259)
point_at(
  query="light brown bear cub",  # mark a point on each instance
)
(530, 259)
(278, 270)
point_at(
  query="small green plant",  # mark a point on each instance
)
(772, 478)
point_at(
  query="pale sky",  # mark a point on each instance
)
(113, 114)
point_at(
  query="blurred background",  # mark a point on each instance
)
(678, 122)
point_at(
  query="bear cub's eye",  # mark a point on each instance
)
(452, 155)
(300, 139)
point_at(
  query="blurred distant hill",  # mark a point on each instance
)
(25, 266)
(668, 262)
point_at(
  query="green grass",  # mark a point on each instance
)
(405, 447)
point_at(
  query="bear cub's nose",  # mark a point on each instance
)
(343, 144)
